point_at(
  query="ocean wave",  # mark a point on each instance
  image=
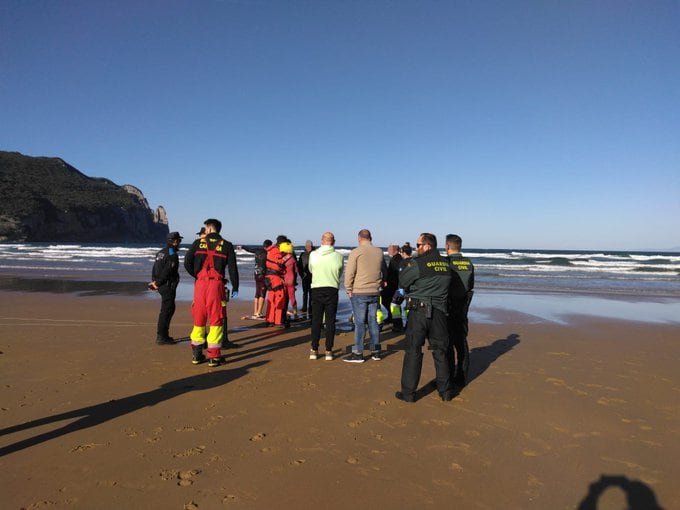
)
(556, 261)
(636, 272)
(590, 270)
(51, 268)
(658, 269)
(653, 258)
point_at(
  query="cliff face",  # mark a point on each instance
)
(46, 199)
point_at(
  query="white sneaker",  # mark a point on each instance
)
(329, 355)
(313, 354)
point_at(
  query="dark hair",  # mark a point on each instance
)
(364, 233)
(212, 222)
(454, 241)
(407, 249)
(267, 243)
(281, 239)
(429, 239)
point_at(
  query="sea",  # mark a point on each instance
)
(542, 284)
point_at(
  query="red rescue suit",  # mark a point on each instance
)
(274, 281)
(206, 261)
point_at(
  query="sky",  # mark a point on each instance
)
(515, 124)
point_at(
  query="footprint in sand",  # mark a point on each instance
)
(440, 423)
(168, 474)
(297, 462)
(186, 428)
(185, 477)
(258, 437)
(357, 422)
(83, 447)
(352, 460)
(190, 506)
(190, 452)
(604, 401)
(534, 486)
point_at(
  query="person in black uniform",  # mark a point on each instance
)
(460, 296)
(306, 278)
(164, 279)
(426, 280)
(391, 281)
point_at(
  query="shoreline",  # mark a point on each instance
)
(534, 305)
(553, 415)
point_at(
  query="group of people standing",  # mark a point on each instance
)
(276, 277)
(436, 291)
(208, 261)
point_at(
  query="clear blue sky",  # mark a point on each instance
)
(517, 124)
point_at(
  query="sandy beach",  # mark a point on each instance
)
(95, 415)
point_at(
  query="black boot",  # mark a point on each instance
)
(164, 340)
(198, 356)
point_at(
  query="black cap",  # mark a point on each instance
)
(174, 235)
(201, 232)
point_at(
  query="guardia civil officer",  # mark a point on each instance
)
(460, 296)
(164, 279)
(426, 280)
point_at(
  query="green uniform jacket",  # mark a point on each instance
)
(427, 278)
(463, 279)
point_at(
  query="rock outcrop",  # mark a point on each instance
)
(46, 199)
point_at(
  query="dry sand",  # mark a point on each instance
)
(94, 415)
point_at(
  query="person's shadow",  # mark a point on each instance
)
(100, 413)
(481, 358)
(638, 495)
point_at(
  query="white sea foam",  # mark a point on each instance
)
(643, 272)
(51, 268)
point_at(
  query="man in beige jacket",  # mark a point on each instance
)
(364, 279)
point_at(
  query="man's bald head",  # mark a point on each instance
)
(328, 239)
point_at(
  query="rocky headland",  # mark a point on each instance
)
(44, 199)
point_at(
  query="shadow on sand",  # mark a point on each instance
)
(97, 414)
(481, 358)
(638, 495)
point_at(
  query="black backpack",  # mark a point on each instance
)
(260, 262)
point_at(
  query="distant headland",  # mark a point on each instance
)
(44, 199)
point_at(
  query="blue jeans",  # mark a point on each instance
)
(365, 309)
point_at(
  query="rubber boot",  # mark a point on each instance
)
(214, 357)
(197, 352)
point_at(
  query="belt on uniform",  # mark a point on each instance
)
(417, 304)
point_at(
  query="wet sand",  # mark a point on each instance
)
(94, 415)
